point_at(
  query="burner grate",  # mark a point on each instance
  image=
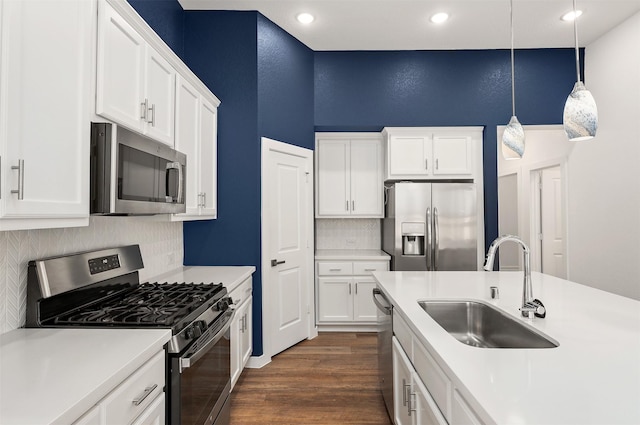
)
(148, 304)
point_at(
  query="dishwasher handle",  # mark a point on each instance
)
(386, 309)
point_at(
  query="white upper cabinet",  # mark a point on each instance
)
(45, 94)
(425, 153)
(196, 130)
(135, 85)
(349, 175)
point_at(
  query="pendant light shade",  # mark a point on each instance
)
(513, 136)
(580, 117)
(513, 140)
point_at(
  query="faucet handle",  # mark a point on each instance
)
(536, 307)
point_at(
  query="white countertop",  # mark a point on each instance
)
(351, 254)
(53, 376)
(593, 377)
(230, 276)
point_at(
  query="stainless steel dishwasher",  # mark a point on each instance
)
(385, 360)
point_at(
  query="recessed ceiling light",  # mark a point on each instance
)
(570, 16)
(305, 18)
(439, 18)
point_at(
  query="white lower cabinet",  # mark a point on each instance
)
(138, 400)
(241, 329)
(423, 393)
(344, 291)
(412, 401)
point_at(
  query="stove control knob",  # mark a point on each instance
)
(223, 304)
(188, 334)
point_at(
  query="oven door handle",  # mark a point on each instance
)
(187, 362)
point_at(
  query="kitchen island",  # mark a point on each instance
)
(592, 377)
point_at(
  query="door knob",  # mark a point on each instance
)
(276, 262)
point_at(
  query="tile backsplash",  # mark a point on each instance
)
(160, 242)
(348, 233)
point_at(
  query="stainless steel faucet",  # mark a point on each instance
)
(530, 306)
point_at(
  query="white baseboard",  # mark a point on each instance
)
(348, 328)
(258, 362)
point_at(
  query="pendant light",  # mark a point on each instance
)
(580, 118)
(513, 136)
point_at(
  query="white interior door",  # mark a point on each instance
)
(287, 257)
(552, 223)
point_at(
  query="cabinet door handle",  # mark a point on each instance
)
(426, 164)
(409, 404)
(436, 163)
(353, 205)
(349, 288)
(20, 168)
(137, 401)
(152, 109)
(356, 288)
(204, 199)
(347, 207)
(144, 107)
(405, 387)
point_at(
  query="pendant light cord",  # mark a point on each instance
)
(513, 72)
(575, 35)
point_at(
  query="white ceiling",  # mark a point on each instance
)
(404, 24)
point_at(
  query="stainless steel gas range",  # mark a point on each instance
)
(102, 289)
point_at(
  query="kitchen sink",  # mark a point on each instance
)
(482, 325)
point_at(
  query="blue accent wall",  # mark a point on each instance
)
(264, 79)
(366, 91)
(285, 86)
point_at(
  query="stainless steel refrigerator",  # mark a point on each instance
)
(431, 226)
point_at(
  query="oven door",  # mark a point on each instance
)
(200, 378)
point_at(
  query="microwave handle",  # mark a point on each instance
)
(176, 166)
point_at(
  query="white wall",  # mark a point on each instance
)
(604, 173)
(161, 244)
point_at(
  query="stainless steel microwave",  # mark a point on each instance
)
(134, 175)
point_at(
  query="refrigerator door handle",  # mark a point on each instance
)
(428, 239)
(436, 238)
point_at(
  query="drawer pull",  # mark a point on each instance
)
(335, 270)
(145, 394)
(370, 270)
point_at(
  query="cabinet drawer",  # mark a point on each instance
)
(242, 292)
(366, 267)
(120, 407)
(326, 268)
(402, 332)
(433, 378)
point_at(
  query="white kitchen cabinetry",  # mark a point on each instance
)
(241, 329)
(349, 176)
(196, 136)
(412, 402)
(426, 153)
(45, 79)
(138, 400)
(344, 291)
(135, 85)
(434, 399)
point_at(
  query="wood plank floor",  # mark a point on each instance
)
(329, 380)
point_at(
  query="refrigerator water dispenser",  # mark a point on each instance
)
(412, 238)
